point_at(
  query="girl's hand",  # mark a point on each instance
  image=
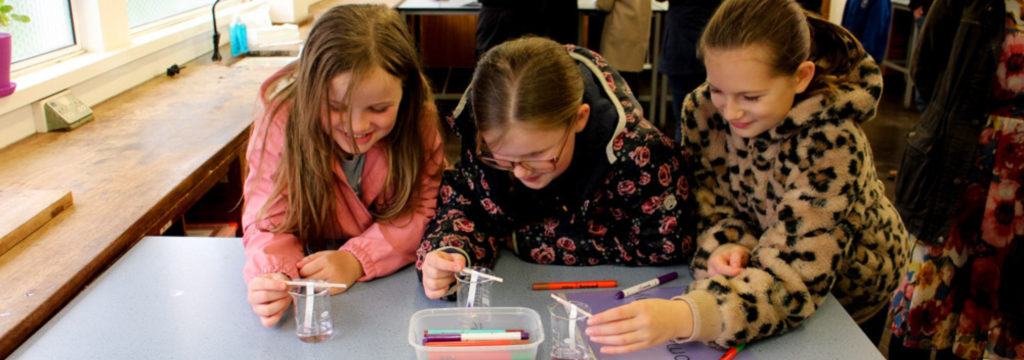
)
(439, 269)
(640, 325)
(728, 260)
(332, 266)
(268, 295)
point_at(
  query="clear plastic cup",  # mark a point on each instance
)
(568, 342)
(312, 312)
(474, 292)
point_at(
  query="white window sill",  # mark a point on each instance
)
(41, 81)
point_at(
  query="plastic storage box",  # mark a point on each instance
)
(476, 318)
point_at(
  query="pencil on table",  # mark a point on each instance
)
(567, 303)
(480, 274)
(315, 284)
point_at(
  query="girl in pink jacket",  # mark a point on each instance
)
(344, 160)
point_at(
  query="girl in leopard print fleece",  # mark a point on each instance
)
(790, 205)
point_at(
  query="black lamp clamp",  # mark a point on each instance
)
(216, 35)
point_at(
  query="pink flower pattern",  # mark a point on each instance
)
(446, 194)
(626, 187)
(567, 244)
(611, 82)
(549, 227)
(624, 221)
(642, 156)
(668, 224)
(543, 255)
(645, 178)
(968, 268)
(1010, 72)
(463, 225)
(665, 175)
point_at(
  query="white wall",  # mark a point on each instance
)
(16, 125)
(835, 11)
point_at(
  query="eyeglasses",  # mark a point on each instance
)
(531, 165)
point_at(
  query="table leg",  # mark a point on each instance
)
(655, 55)
(908, 92)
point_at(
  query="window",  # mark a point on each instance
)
(50, 28)
(141, 12)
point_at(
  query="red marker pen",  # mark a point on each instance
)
(575, 285)
(732, 352)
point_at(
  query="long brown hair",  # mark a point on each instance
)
(531, 81)
(791, 36)
(355, 39)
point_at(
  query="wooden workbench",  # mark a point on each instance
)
(150, 153)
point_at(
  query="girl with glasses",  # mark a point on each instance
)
(558, 164)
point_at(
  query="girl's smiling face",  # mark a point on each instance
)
(748, 94)
(373, 109)
(519, 143)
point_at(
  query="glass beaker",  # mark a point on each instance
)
(474, 291)
(567, 338)
(312, 312)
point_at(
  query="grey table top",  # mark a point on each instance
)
(184, 298)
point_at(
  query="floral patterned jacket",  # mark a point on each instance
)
(628, 202)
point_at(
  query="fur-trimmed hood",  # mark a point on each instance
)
(854, 100)
(625, 199)
(613, 111)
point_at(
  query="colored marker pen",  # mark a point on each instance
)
(477, 336)
(475, 343)
(729, 355)
(478, 355)
(575, 285)
(647, 285)
(470, 331)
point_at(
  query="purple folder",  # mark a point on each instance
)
(603, 300)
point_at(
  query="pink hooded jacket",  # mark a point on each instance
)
(381, 248)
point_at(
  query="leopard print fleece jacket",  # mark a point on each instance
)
(804, 198)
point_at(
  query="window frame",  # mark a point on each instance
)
(63, 54)
(177, 18)
(55, 56)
